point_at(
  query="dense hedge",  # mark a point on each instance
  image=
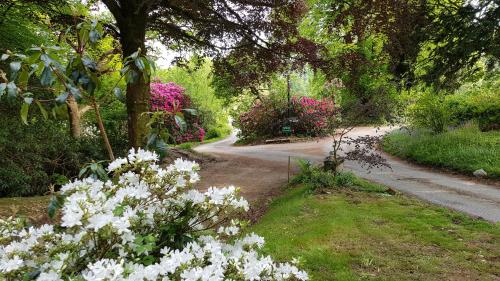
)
(477, 101)
(42, 153)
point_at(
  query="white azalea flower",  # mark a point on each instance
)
(7, 265)
(112, 227)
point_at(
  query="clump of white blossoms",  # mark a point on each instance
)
(145, 223)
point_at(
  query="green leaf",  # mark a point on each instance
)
(83, 171)
(62, 97)
(150, 238)
(42, 110)
(138, 240)
(24, 112)
(83, 34)
(190, 111)
(75, 92)
(21, 56)
(135, 54)
(119, 94)
(118, 211)
(152, 64)
(46, 77)
(94, 36)
(161, 147)
(148, 260)
(47, 60)
(101, 173)
(124, 70)
(34, 58)
(15, 66)
(51, 210)
(151, 139)
(32, 275)
(3, 86)
(24, 76)
(88, 62)
(179, 120)
(56, 202)
(131, 77)
(12, 89)
(140, 63)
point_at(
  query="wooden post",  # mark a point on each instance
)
(104, 136)
(288, 169)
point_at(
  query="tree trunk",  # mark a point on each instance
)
(137, 105)
(133, 37)
(74, 117)
(131, 18)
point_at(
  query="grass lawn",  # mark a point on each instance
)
(33, 208)
(355, 235)
(464, 150)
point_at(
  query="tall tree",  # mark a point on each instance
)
(287, 50)
(461, 33)
(209, 26)
(370, 47)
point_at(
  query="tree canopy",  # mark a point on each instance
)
(211, 26)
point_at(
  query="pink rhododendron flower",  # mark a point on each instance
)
(171, 97)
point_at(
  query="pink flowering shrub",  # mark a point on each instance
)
(314, 116)
(267, 117)
(170, 97)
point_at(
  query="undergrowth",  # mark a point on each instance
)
(317, 179)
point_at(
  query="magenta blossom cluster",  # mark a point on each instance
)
(167, 97)
(311, 117)
(171, 98)
(314, 116)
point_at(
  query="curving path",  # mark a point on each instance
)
(455, 192)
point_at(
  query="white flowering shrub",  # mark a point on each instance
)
(145, 223)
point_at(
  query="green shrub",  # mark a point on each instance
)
(478, 101)
(317, 179)
(429, 111)
(217, 132)
(313, 176)
(42, 153)
(186, 145)
(345, 179)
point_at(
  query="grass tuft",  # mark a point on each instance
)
(464, 150)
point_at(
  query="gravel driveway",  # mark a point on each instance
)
(452, 191)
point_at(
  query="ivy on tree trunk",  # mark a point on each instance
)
(131, 20)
